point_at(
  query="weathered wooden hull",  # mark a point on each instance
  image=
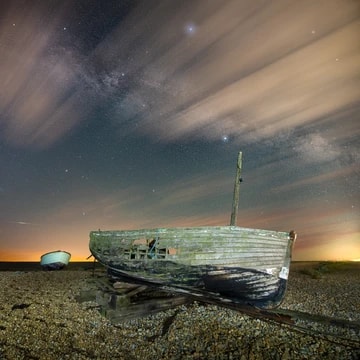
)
(248, 266)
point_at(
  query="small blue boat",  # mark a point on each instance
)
(55, 260)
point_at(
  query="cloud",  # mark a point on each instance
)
(39, 96)
(315, 148)
(269, 69)
(22, 223)
(326, 177)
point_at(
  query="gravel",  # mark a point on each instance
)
(40, 318)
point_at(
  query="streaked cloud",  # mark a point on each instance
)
(39, 96)
(22, 223)
(271, 68)
(323, 178)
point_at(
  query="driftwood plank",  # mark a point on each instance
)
(120, 301)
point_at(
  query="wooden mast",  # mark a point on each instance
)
(236, 196)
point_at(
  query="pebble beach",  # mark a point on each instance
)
(42, 318)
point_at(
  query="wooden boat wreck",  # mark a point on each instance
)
(55, 260)
(235, 264)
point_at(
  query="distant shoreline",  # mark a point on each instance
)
(89, 265)
(35, 265)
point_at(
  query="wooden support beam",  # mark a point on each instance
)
(236, 196)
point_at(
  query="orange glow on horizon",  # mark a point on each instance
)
(336, 251)
(23, 256)
(345, 248)
(342, 247)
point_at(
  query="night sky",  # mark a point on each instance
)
(130, 114)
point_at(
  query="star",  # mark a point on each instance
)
(225, 139)
(190, 29)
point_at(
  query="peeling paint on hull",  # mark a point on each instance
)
(248, 266)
